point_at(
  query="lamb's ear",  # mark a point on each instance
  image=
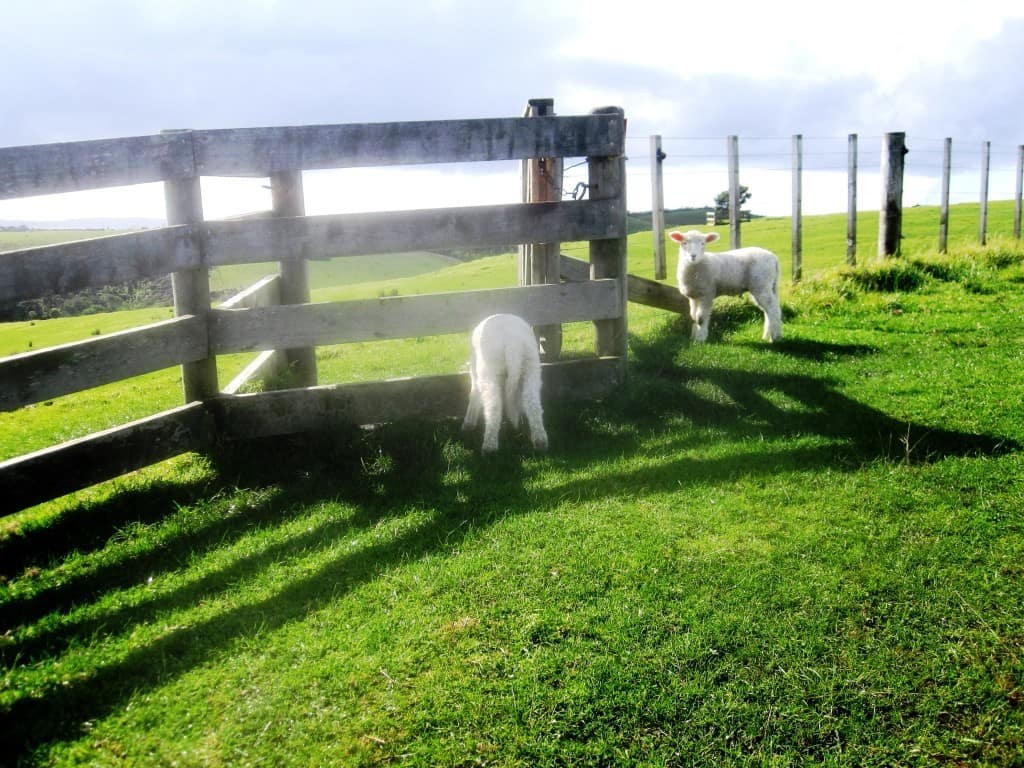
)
(710, 237)
(676, 236)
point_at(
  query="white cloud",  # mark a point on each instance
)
(796, 39)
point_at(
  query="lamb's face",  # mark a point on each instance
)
(691, 244)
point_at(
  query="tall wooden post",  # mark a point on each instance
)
(851, 200)
(1018, 192)
(288, 200)
(947, 169)
(538, 262)
(184, 204)
(607, 179)
(798, 169)
(890, 220)
(658, 207)
(733, 148)
(986, 148)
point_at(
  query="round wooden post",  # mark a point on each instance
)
(733, 148)
(288, 200)
(986, 150)
(607, 179)
(851, 200)
(798, 168)
(1019, 192)
(658, 207)
(947, 165)
(184, 204)
(890, 220)
(539, 262)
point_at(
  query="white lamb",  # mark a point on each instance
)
(703, 276)
(505, 372)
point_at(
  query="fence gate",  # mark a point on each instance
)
(276, 314)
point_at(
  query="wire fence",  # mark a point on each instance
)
(695, 170)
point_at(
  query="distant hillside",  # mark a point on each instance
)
(125, 222)
(224, 281)
(640, 221)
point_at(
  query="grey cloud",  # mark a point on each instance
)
(981, 100)
(122, 70)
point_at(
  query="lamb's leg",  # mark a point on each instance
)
(513, 391)
(700, 313)
(490, 395)
(474, 408)
(768, 302)
(533, 410)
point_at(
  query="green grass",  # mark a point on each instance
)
(334, 271)
(79, 414)
(340, 271)
(12, 240)
(806, 553)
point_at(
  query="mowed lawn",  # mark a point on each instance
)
(807, 553)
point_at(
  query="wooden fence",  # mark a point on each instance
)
(275, 317)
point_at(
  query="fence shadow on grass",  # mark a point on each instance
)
(285, 473)
(758, 408)
(416, 461)
(88, 526)
(388, 472)
(749, 403)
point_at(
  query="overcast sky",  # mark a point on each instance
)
(86, 69)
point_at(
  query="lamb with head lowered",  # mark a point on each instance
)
(505, 373)
(702, 276)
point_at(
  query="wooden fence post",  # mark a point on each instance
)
(1019, 192)
(607, 179)
(947, 168)
(890, 220)
(851, 200)
(734, 191)
(539, 262)
(798, 167)
(986, 148)
(184, 204)
(658, 207)
(288, 200)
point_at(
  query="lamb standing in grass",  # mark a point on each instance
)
(505, 373)
(703, 276)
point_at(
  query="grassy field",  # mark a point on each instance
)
(807, 553)
(341, 271)
(80, 414)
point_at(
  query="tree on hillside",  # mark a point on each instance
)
(722, 201)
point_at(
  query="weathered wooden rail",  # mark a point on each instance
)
(274, 316)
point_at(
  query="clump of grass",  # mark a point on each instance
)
(825, 292)
(952, 271)
(998, 253)
(1003, 258)
(896, 276)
